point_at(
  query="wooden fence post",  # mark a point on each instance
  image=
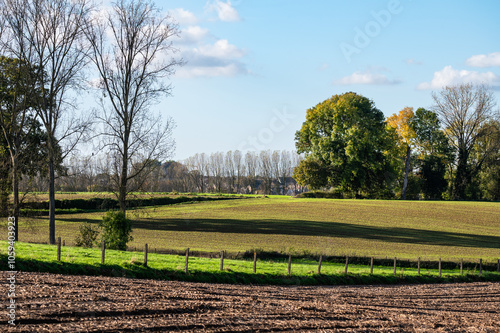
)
(371, 265)
(461, 266)
(103, 251)
(289, 264)
(187, 260)
(439, 267)
(221, 260)
(418, 266)
(146, 255)
(395, 262)
(319, 264)
(59, 249)
(480, 267)
(64, 242)
(346, 264)
(255, 262)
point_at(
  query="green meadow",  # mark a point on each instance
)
(378, 228)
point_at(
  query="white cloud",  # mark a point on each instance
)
(193, 35)
(366, 77)
(218, 59)
(231, 69)
(484, 60)
(221, 49)
(225, 11)
(449, 76)
(183, 16)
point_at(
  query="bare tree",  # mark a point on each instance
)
(197, 166)
(252, 165)
(47, 35)
(285, 169)
(217, 170)
(240, 169)
(230, 169)
(131, 49)
(463, 110)
(266, 170)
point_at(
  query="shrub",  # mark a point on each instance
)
(88, 235)
(116, 230)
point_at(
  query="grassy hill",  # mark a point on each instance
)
(405, 229)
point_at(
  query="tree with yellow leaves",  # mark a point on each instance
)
(402, 122)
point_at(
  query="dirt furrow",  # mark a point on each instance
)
(58, 303)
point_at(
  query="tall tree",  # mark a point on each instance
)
(14, 113)
(48, 35)
(5, 179)
(487, 150)
(346, 136)
(131, 46)
(20, 130)
(433, 152)
(252, 166)
(402, 123)
(463, 110)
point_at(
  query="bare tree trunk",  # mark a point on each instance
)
(122, 189)
(407, 170)
(461, 179)
(52, 203)
(15, 190)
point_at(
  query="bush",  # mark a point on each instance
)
(88, 235)
(116, 230)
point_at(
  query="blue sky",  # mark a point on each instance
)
(254, 67)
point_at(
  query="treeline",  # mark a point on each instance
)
(265, 172)
(450, 152)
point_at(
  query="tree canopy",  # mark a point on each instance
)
(345, 137)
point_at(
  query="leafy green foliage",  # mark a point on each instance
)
(87, 236)
(346, 136)
(116, 229)
(311, 173)
(487, 150)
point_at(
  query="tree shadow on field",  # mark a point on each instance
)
(326, 229)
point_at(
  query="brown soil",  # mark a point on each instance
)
(59, 303)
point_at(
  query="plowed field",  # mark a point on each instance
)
(58, 303)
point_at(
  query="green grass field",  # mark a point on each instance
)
(403, 229)
(78, 261)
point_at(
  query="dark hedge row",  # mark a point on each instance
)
(108, 203)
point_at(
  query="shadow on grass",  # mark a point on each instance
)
(315, 228)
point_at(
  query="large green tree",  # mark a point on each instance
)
(346, 138)
(487, 152)
(18, 94)
(433, 153)
(23, 142)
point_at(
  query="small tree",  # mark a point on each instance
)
(88, 235)
(116, 230)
